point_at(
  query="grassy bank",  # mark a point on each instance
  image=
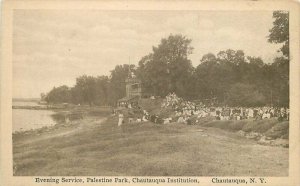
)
(271, 128)
(146, 149)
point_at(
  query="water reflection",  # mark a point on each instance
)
(23, 119)
(62, 117)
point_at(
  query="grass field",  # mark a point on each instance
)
(144, 149)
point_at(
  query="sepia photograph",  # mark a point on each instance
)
(150, 93)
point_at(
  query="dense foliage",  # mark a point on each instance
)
(101, 90)
(280, 31)
(228, 77)
(168, 68)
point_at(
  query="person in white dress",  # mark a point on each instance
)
(121, 118)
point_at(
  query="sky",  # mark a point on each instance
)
(53, 47)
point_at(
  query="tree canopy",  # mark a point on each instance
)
(230, 76)
(167, 68)
(279, 33)
(234, 78)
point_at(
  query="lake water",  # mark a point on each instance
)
(25, 119)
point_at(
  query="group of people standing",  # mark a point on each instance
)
(184, 110)
(188, 112)
(257, 113)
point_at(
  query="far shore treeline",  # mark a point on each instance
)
(230, 76)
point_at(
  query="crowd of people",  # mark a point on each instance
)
(190, 112)
(187, 109)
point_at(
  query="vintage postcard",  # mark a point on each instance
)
(150, 93)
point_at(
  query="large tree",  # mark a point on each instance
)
(102, 90)
(167, 68)
(86, 87)
(59, 94)
(280, 31)
(117, 85)
(280, 34)
(215, 74)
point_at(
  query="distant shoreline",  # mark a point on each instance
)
(27, 99)
(38, 107)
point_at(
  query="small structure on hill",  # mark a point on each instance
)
(133, 87)
(133, 92)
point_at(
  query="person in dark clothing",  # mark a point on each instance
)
(152, 118)
(189, 121)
